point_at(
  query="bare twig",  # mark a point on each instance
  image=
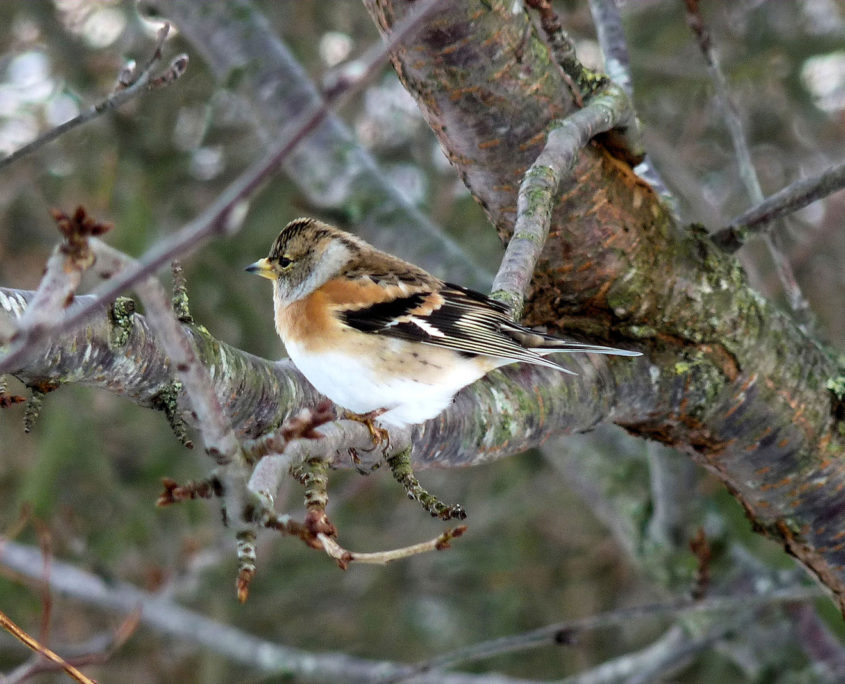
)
(220, 440)
(617, 63)
(611, 37)
(131, 83)
(606, 110)
(303, 425)
(700, 548)
(784, 202)
(64, 270)
(732, 119)
(225, 215)
(246, 563)
(31, 643)
(174, 492)
(747, 174)
(6, 399)
(166, 617)
(660, 660)
(345, 557)
(568, 632)
(96, 650)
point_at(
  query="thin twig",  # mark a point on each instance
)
(611, 37)
(225, 215)
(617, 64)
(218, 435)
(131, 83)
(660, 660)
(784, 202)
(568, 632)
(96, 650)
(64, 269)
(303, 425)
(344, 556)
(747, 174)
(732, 119)
(31, 643)
(164, 616)
(670, 489)
(606, 110)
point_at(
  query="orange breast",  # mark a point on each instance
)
(308, 319)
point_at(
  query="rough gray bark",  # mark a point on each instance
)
(736, 383)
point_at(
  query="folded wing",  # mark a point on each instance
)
(469, 322)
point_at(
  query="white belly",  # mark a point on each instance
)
(412, 390)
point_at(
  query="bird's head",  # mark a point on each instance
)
(306, 255)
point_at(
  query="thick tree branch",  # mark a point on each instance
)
(737, 385)
(509, 411)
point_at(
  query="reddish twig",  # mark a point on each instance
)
(174, 492)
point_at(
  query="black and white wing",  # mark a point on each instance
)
(469, 322)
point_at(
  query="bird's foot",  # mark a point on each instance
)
(380, 436)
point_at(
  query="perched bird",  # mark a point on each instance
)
(383, 337)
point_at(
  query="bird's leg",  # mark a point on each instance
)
(380, 436)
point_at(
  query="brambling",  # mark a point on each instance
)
(380, 336)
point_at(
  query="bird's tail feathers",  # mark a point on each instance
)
(548, 344)
(589, 348)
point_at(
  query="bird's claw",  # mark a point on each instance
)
(380, 436)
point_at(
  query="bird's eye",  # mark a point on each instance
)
(284, 261)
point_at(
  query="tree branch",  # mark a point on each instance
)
(608, 109)
(747, 174)
(570, 632)
(790, 199)
(225, 215)
(507, 412)
(617, 63)
(131, 83)
(330, 167)
(167, 617)
(733, 378)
